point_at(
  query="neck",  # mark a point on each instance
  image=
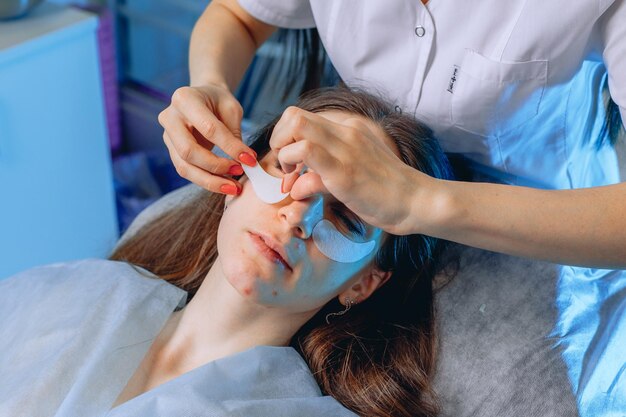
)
(219, 322)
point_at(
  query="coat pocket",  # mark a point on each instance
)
(491, 97)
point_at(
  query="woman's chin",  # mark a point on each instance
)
(248, 279)
(244, 282)
(254, 282)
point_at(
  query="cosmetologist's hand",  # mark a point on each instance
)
(350, 162)
(197, 119)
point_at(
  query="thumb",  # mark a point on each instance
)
(307, 185)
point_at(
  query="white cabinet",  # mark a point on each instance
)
(57, 200)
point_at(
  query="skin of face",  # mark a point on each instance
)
(311, 279)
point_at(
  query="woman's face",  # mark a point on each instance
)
(268, 255)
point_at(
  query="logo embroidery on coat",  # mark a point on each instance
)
(453, 79)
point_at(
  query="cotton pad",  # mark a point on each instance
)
(334, 245)
(266, 186)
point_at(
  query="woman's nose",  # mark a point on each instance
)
(302, 215)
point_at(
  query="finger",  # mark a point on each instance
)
(213, 130)
(359, 124)
(185, 144)
(296, 124)
(288, 181)
(202, 178)
(200, 140)
(234, 168)
(314, 156)
(288, 168)
(307, 185)
(230, 113)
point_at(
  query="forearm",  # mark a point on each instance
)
(577, 227)
(223, 43)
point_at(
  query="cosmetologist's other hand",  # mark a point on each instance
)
(352, 163)
(197, 119)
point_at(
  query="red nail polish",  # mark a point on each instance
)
(229, 189)
(247, 159)
(235, 170)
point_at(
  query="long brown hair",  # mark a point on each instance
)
(378, 359)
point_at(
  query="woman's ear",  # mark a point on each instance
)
(365, 286)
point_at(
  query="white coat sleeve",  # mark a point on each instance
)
(291, 14)
(613, 32)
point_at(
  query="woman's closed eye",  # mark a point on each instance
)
(348, 219)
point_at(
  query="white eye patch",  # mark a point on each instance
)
(330, 241)
(266, 186)
(334, 245)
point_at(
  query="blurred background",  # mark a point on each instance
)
(81, 85)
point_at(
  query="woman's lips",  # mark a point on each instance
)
(267, 252)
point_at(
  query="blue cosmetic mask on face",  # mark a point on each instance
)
(330, 241)
(334, 245)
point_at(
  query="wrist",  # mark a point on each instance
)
(210, 80)
(432, 206)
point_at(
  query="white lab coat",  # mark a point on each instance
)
(72, 335)
(516, 87)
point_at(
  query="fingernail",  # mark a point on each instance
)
(247, 159)
(235, 170)
(229, 189)
(282, 185)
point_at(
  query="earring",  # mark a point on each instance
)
(349, 304)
